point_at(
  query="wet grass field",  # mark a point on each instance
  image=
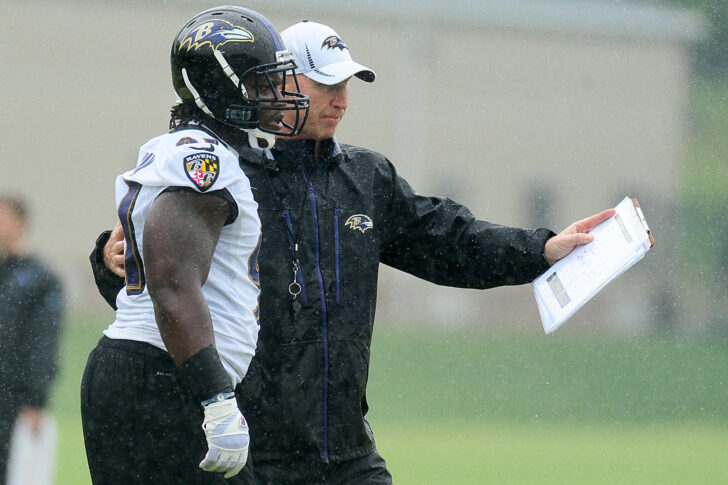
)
(479, 408)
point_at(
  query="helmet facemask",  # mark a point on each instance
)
(280, 79)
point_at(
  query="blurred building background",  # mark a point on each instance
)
(531, 113)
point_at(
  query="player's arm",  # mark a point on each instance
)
(180, 235)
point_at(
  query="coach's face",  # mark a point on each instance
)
(328, 105)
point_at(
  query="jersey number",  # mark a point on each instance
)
(133, 264)
(254, 274)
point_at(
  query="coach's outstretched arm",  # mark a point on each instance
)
(180, 235)
(575, 235)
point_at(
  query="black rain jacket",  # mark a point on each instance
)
(304, 395)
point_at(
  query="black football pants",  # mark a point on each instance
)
(139, 426)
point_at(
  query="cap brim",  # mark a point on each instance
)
(340, 71)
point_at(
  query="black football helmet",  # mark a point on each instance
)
(218, 49)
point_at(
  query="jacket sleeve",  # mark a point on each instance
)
(440, 241)
(107, 282)
(41, 342)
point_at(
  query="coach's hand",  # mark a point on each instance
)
(227, 438)
(114, 251)
(575, 235)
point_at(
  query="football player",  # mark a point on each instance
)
(186, 323)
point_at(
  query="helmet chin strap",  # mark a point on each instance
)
(198, 99)
(255, 136)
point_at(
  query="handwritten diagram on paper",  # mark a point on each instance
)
(618, 244)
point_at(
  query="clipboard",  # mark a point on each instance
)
(619, 243)
(643, 220)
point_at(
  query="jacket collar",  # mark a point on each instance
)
(288, 154)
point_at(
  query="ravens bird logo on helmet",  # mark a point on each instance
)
(215, 33)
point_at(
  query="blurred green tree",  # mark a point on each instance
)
(711, 54)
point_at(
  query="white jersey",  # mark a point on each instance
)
(195, 159)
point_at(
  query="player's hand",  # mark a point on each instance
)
(114, 251)
(227, 438)
(575, 235)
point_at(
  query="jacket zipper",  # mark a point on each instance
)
(299, 277)
(324, 316)
(337, 254)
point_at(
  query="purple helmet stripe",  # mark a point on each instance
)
(269, 26)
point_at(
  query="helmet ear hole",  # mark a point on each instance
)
(211, 94)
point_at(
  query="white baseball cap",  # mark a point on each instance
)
(321, 55)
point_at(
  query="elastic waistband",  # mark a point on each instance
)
(134, 347)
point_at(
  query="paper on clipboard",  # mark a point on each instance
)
(619, 243)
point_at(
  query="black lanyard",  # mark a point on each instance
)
(294, 288)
